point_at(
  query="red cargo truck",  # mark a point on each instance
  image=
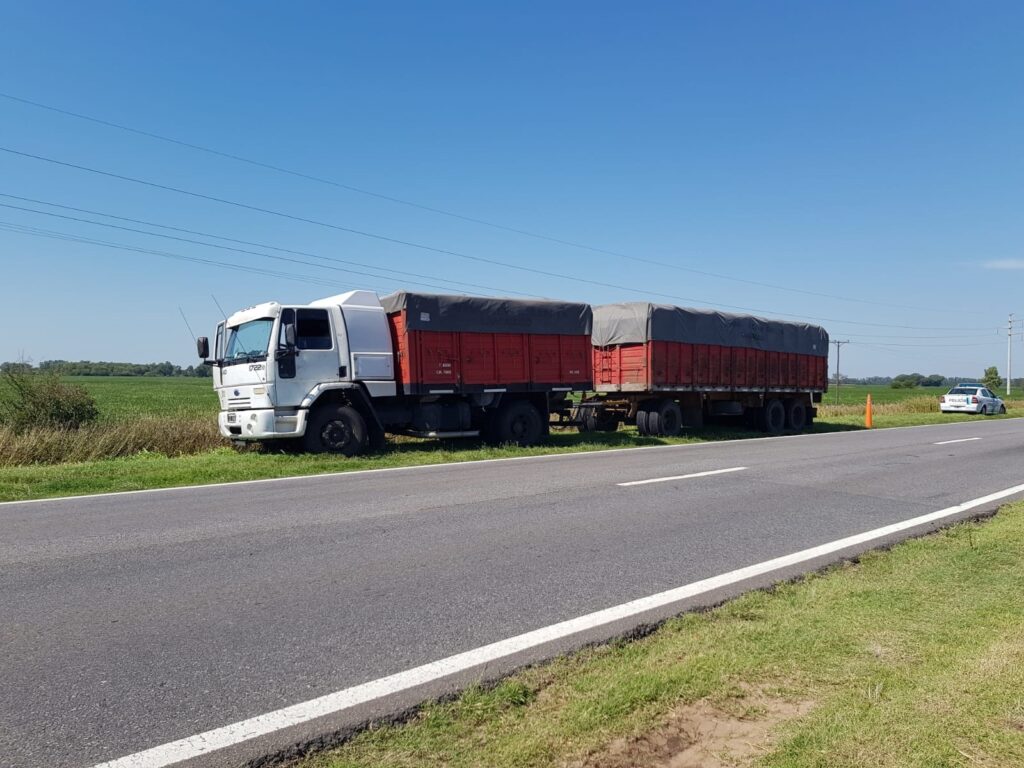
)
(340, 373)
(667, 367)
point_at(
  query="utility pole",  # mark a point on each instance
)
(1009, 353)
(838, 345)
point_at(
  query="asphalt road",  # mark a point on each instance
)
(128, 621)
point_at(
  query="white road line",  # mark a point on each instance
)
(332, 703)
(682, 477)
(961, 440)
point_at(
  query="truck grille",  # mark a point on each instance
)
(238, 403)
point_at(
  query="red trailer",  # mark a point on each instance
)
(458, 344)
(500, 367)
(667, 367)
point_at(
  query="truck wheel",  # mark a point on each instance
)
(643, 418)
(518, 423)
(796, 414)
(665, 419)
(773, 417)
(335, 429)
(596, 420)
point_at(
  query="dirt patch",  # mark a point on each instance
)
(704, 735)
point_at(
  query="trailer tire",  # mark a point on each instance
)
(335, 429)
(773, 417)
(796, 414)
(517, 422)
(643, 418)
(593, 420)
(665, 419)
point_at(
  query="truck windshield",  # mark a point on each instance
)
(249, 339)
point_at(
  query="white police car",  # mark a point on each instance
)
(971, 398)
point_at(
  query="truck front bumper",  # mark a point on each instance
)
(262, 424)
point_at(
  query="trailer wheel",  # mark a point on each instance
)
(335, 429)
(665, 419)
(773, 417)
(594, 420)
(796, 414)
(644, 412)
(517, 422)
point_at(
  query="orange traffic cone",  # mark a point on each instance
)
(867, 413)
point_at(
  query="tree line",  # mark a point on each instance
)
(105, 368)
(990, 378)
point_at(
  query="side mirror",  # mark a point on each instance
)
(289, 335)
(203, 347)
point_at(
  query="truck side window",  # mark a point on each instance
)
(312, 329)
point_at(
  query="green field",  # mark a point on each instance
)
(911, 658)
(851, 394)
(161, 432)
(126, 397)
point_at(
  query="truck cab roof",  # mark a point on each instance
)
(266, 309)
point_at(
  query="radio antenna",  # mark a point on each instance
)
(186, 322)
(220, 308)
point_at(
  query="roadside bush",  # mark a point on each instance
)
(32, 400)
(163, 435)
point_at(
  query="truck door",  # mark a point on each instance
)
(316, 355)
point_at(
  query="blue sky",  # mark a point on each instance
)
(869, 151)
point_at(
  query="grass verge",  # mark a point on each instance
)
(912, 657)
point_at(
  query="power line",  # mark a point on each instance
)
(881, 349)
(78, 238)
(451, 214)
(66, 236)
(249, 242)
(444, 251)
(244, 250)
(364, 274)
(996, 331)
(937, 346)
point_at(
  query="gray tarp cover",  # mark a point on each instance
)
(638, 322)
(432, 312)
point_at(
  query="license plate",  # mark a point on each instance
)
(232, 418)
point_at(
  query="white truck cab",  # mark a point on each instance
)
(272, 362)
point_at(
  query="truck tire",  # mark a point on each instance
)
(596, 420)
(773, 417)
(796, 414)
(335, 429)
(517, 422)
(665, 419)
(643, 417)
